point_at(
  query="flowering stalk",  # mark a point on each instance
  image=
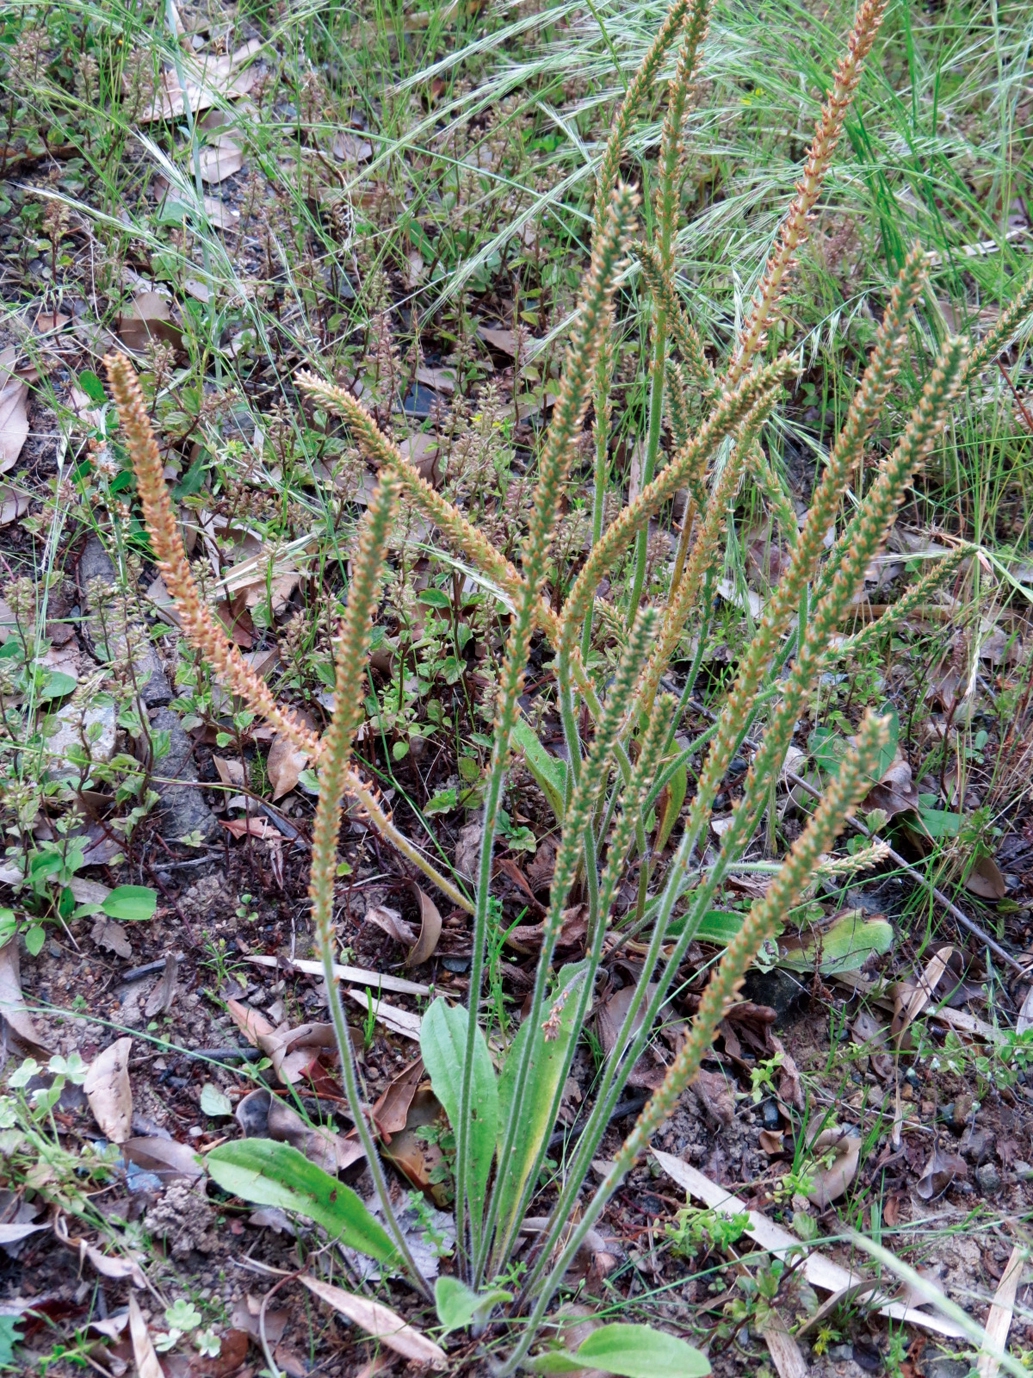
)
(208, 637)
(334, 776)
(842, 795)
(753, 334)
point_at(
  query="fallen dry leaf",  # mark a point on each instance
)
(251, 827)
(108, 1091)
(253, 1025)
(896, 791)
(14, 419)
(430, 929)
(939, 1172)
(985, 880)
(13, 502)
(380, 1323)
(12, 1007)
(148, 319)
(284, 765)
(108, 934)
(144, 1353)
(392, 923)
(293, 1051)
(159, 1001)
(230, 771)
(220, 159)
(829, 1183)
(351, 148)
(399, 1021)
(166, 1158)
(786, 1354)
(392, 1109)
(208, 80)
(377, 979)
(909, 1001)
(998, 1323)
(715, 1096)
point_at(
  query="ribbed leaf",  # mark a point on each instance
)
(548, 1068)
(274, 1174)
(443, 1045)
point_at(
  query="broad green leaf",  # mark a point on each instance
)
(889, 752)
(443, 1045)
(9, 1337)
(35, 937)
(132, 903)
(546, 1073)
(549, 772)
(434, 598)
(639, 1351)
(554, 1361)
(718, 926)
(56, 685)
(845, 946)
(458, 1306)
(274, 1174)
(92, 386)
(937, 823)
(676, 790)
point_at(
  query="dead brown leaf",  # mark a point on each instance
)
(13, 502)
(14, 419)
(715, 1095)
(351, 148)
(221, 158)
(106, 933)
(284, 765)
(392, 923)
(148, 319)
(166, 1158)
(209, 80)
(392, 1109)
(985, 880)
(108, 1091)
(12, 1007)
(251, 827)
(829, 1183)
(144, 1353)
(910, 1000)
(262, 1115)
(380, 1323)
(939, 1172)
(253, 1025)
(430, 929)
(896, 792)
(293, 1051)
(160, 999)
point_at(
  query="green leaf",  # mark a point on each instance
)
(56, 685)
(549, 772)
(677, 787)
(133, 903)
(443, 1045)
(274, 1174)
(845, 946)
(215, 1102)
(444, 801)
(9, 1337)
(639, 1351)
(545, 1074)
(937, 823)
(35, 937)
(889, 752)
(434, 598)
(459, 1306)
(92, 386)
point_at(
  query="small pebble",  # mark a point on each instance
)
(989, 1179)
(962, 1109)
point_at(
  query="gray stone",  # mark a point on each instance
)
(977, 1144)
(71, 728)
(988, 1179)
(95, 563)
(945, 1366)
(182, 807)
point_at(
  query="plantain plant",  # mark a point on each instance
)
(627, 759)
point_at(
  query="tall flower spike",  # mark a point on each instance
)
(205, 634)
(199, 626)
(334, 781)
(794, 228)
